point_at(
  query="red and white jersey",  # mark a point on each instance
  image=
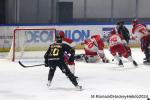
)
(93, 46)
(66, 40)
(89, 45)
(69, 42)
(98, 42)
(115, 39)
(139, 31)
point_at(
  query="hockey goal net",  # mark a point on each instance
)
(31, 43)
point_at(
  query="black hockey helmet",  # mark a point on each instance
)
(58, 39)
(121, 22)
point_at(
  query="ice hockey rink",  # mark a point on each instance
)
(97, 79)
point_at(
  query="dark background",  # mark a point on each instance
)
(72, 11)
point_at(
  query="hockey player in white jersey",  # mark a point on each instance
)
(140, 32)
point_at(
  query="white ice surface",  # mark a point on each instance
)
(17, 83)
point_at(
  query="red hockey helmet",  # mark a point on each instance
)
(62, 34)
(113, 31)
(135, 21)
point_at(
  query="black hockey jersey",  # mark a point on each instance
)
(56, 51)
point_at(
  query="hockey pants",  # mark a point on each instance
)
(64, 68)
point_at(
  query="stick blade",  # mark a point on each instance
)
(21, 64)
(26, 66)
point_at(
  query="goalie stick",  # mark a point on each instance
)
(26, 66)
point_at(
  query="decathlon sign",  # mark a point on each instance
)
(77, 35)
(39, 36)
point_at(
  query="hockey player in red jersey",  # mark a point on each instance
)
(72, 44)
(117, 45)
(140, 32)
(67, 40)
(94, 49)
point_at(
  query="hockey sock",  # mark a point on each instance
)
(51, 73)
(131, 59)
(72, 79)
(120, 63)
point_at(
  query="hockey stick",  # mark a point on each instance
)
(25, 66)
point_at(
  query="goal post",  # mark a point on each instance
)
(27, 41)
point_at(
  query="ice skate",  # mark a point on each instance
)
(79, 87)
(134, 63)
(86, 59)
(120, 63)
(146, 62)
(105, 60)
(144, 58)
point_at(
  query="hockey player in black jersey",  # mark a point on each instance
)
(55, 57)
(123, 31)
